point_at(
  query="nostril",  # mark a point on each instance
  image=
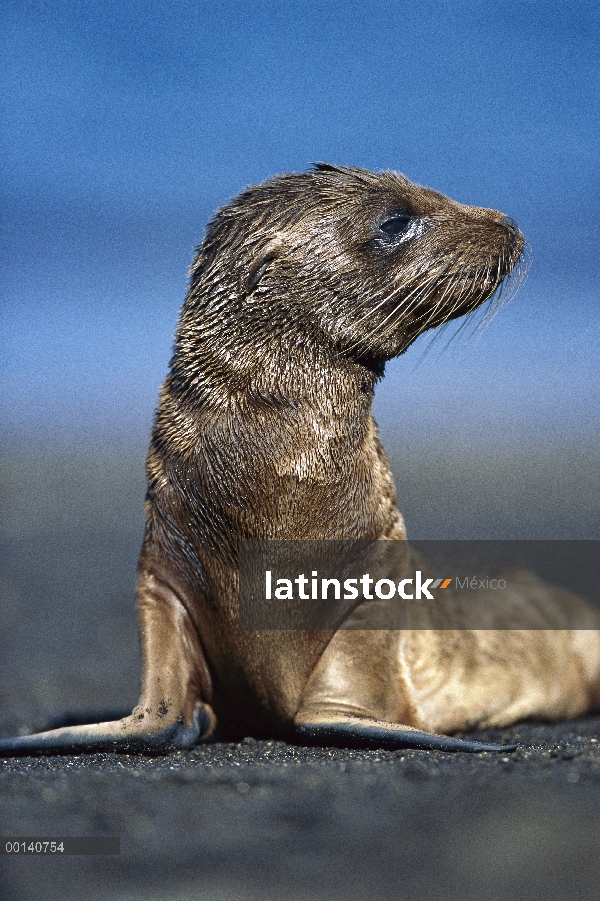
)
(510, 223)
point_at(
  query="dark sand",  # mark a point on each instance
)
(264, 820)
(257, 820)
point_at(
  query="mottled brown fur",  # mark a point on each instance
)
(298, 296)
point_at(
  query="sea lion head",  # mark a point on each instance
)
(344, 258)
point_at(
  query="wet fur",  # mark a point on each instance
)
(264, 431)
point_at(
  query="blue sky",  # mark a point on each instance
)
(126, 125)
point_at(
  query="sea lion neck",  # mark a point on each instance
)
(263, 433)
(223, 362)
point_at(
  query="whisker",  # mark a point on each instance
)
(433, 296)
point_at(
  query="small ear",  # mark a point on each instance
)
(261, 264)
(326, 167)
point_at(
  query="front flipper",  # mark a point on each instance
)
(175, 677)
(349, 731)
(360, 695)
(128, 734)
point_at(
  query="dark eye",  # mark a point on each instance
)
(396, 225)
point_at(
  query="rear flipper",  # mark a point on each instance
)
(350, 731)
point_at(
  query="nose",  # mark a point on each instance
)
(510, 223)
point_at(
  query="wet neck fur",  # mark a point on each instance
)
(269, 441)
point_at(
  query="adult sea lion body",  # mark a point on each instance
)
(302, 289)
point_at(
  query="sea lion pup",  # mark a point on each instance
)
(303, 287)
